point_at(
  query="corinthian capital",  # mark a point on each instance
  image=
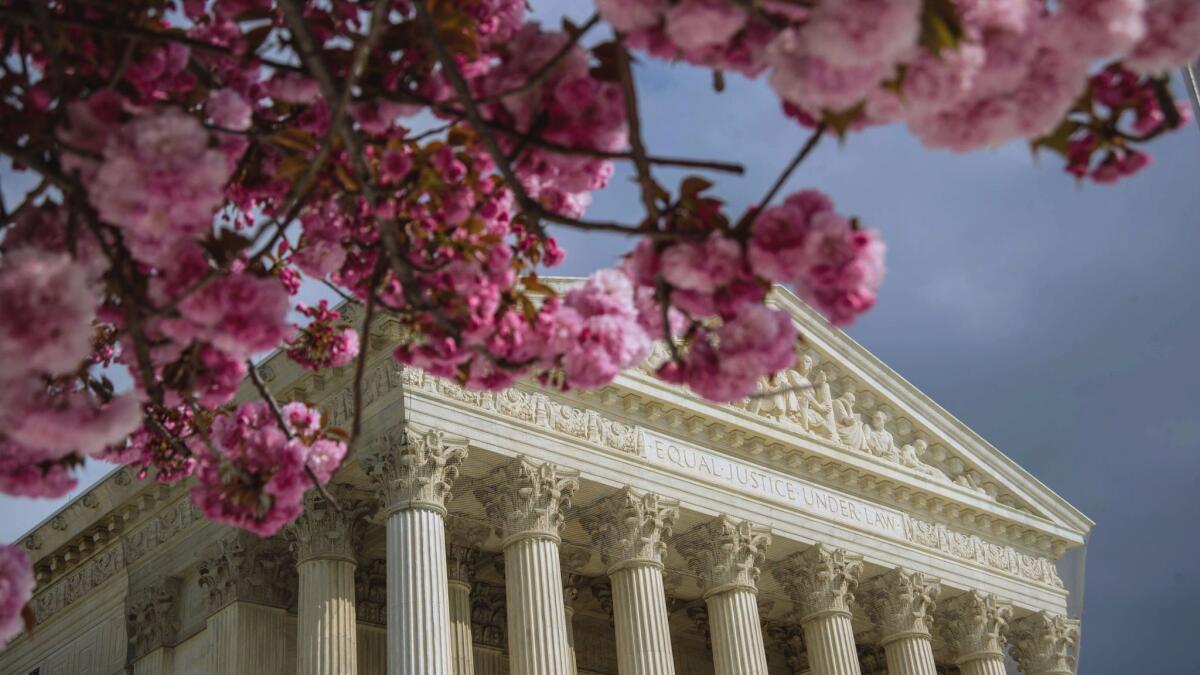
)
(631, 527)
(415, 470)
(328, 531)
(975, 625)
(528, 498)
(901, 603)
(726, 553)
(820, 579)
(1045, 644)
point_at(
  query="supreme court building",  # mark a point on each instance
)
(848, 526)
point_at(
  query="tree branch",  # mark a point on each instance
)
(809, 145)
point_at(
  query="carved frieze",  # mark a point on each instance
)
(243, 566)
(152, 616)
(160, 529)
(102, 567)
(974, 549)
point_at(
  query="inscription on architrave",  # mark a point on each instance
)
(771, 485)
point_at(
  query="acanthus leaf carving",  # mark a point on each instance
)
(416, 469)
(820, 580)
(975, 625)
(528, 498)
(901, 603)
(631, 526)
(1045, 644)
(324, 530)
(725, 552)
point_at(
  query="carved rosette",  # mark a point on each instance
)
(901, 603)
(975, 625)
(152, 617)
(820, 580)
(246, 567)
(631, 527)
(726, 553)
(1045, 644)
(463, 539)
(415, 470)
(528, 499)
(326, 531)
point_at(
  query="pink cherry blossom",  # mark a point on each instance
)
(700, 24)
(323, 343)
(845, 267)
(32, 472)
(632, 15)
(702, 266)
(16, 590)
(64, 421)
(1172, 37)
(777, 248)
(1095, 28)
(159, 181)
(49, 303)
(229, 110)
(256, 479)
(239, 314)
(862, 32)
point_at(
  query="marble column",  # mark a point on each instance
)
(901, 603)
(726, 553)
(415, 472)
(1045, 644)
(975, 628)
(527, 498)
(630, 528)
(571, 561)
(821, 582)
(327, 626)
(464, 538)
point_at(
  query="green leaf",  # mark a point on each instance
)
(692, 186)
(841, 121)
(941, 26)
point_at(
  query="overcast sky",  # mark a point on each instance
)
(1058, 321)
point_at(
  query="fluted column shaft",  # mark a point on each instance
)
(461, 649)
(737, 639)
(821, 581)
(415, 473)
(537, 625)
(418, 595)
(910, 655)
(327, 628)
(987, 665)
(640, 614)
(529, 498)
(829, 639)
(569, 617)
(727, 552)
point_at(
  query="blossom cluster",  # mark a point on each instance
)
(963, 75)
(252, 471)
(323, 343)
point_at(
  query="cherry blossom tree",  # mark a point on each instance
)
(192, 161)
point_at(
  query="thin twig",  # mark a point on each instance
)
(805, 150)
(277, 412)
(546, 68)
(360, 368)
(634, 121)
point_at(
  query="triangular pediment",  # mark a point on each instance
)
(841, 396)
